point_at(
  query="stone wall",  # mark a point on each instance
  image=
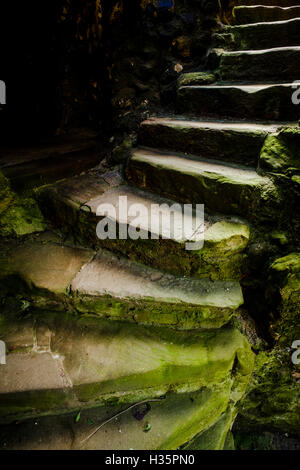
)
(97, 61)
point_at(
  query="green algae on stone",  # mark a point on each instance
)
(114, 287)
(196, 78)
(173, 421)
(18, 216)
(281, 152)
(214, 438)
(273, 397)
(104, 361)
(284, 283)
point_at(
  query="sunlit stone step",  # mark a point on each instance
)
(73, 206)
(225, 188)
(238, 142)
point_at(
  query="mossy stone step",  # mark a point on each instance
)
(239, 142)
(72, 205)
(224, 188)
(114, 287)
(263, 13)
(58, 362)
(270, 102)
(282, 63)
(259, 35)
(164, 419)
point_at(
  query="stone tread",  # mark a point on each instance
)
(238, 142)
(91, 361)
(221, 187)
(122, 433)
(199, 167)
(73, 206)
(107, 274)
(112, 286)
(215, 125)
(37, 165)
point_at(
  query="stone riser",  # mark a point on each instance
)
(259, 36)
(282, 64)
(218, 192)
(280, 3)
(266, 102)
(232, 144)
(248, 15)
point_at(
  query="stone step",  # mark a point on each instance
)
(224, 188)
(279, 3)
(30, 167)
(282, 63)
(238, 142)
(263, 13)
(269, 102)
(72, 206)
(114, 287)
(59, 362)
(128, 430)
(259, 35)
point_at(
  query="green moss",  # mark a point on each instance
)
(281, 152)
(126, 363)
(274, 394)
(273, 397)
(18, 216)
(23, 405)
(196, 78)
(214, 438)
(155, 313)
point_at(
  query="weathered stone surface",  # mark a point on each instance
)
(266, 64)
(120, 289)
(280, 153)
(281, 3)
(267, 102)
(274, 394)
(125, 432)
(228, 189)
(31, 167)
(196, 78)
(18, 216)
(260, 35)
(46, 265)
(231, 141)
(152, 297)
(73, 207)
(99, 362)
(214, 438)
(257, 13)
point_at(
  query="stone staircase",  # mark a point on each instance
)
(105, 324)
